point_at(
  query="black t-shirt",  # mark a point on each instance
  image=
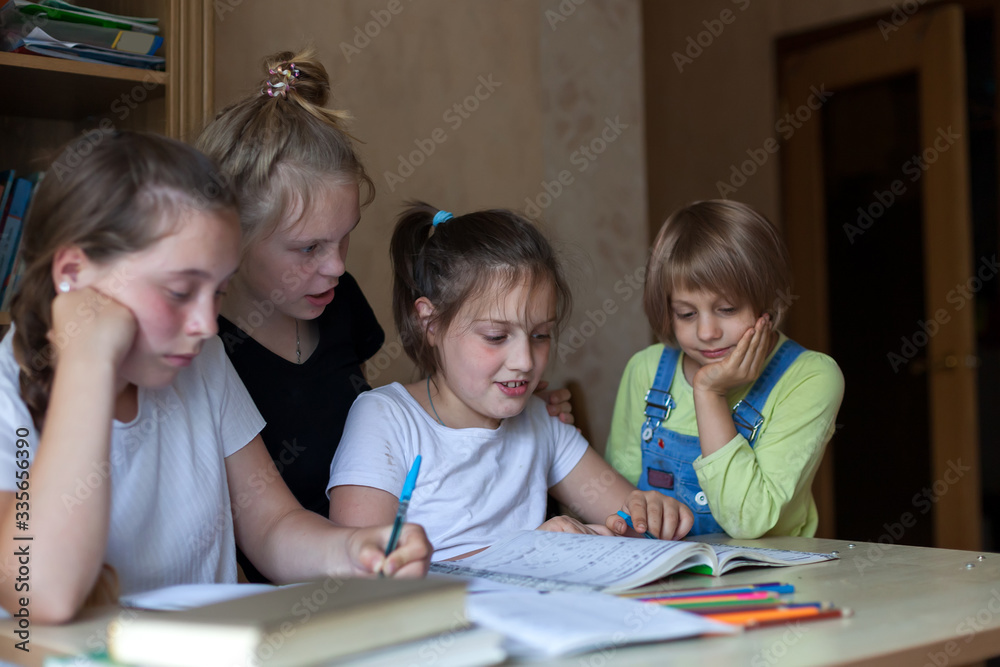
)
(306, 405)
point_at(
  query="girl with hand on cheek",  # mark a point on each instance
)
(112, 371)
(729, 416)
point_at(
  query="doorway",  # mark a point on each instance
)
(877, 215)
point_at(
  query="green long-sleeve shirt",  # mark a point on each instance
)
(764, 490)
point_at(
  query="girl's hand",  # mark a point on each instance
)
(89, 324)
(655, 513)
(366, 551)
(556, 401)
(566, 524)
(742, 365)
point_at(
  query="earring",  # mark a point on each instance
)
(64, 286)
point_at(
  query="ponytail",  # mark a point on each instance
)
(459, 259)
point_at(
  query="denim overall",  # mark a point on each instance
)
(667, 456)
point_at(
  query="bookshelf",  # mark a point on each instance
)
(48, 101)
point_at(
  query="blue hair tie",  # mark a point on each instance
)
(441, 216)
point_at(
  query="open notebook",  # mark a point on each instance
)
(571, 562)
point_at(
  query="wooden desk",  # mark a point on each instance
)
(912, 606)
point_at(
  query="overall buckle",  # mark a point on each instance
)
(749, 422)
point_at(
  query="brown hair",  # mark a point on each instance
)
(459, 260)
(111, 194)
(279, 144)
(720, 246)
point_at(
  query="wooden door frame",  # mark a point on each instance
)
(926, 45)
(190, 67)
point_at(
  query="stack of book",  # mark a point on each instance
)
(62, 30)
(16, 196)
(352, 622)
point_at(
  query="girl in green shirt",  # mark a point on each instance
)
(727, 415)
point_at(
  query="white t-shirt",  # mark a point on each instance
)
(170, 514)
(475, 484)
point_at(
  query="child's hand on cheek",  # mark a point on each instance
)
(742, 365)
(87, 323)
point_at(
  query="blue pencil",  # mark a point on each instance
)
(628, 521)
(404, 504)
(776, 587)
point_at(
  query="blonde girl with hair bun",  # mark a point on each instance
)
(294, 322)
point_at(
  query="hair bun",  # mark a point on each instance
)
(299, 73)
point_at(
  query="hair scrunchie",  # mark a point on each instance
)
(441, 216)
(289, 73)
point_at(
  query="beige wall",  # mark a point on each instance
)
(704, 119)
(568, 72)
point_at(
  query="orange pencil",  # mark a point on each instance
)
(780, 615)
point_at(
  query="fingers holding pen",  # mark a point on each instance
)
(410, 558)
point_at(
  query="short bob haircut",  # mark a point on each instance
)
(718, 246)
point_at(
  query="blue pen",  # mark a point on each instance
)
(404, 504)
(628, 520)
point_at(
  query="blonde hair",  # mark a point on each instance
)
(719, 246)
(462, 259)
(119, 197)
(278, 148)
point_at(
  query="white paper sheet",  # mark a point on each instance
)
(544, 625)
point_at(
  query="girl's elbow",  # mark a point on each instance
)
(41, 608)
(746, 532)
(742, 526)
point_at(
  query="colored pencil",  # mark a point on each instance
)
(772, 616)
(776, 587)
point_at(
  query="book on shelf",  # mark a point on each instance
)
(572, 562)
(57, 10)
(10, 264)
(40, 29)
(6, 188)
(292, 625)
(13, 222)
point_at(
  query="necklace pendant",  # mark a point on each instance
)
(298, 344)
